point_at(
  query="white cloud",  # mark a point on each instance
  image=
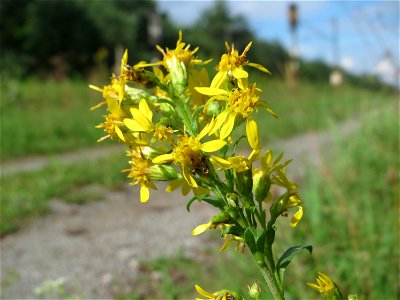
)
(347, 63)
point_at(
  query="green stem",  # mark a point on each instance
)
(273, 285)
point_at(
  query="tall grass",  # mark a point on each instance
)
(41, 117)
(352, 211)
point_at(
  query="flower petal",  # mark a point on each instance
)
(239, 73)
(296, 217)
(200, 229)
(215, 160)
(145, 110)
(259, 67)
(119, 133)
(206, 129)
(213, 146)
(218, 79)
(219, 120)
(133, 125)
(144, 193)
(141, 118)
(252, 134)
(203, 292)
(210, 91)
(227, 128)
(163, 158)
(189, 179)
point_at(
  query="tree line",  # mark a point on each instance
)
(44, 37)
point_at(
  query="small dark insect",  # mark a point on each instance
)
(139, 76)
(200, 166)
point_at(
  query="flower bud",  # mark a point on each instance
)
(222, 217)
(178, 73)
(261, 184)
(255, 291)
(244, 182)
(213, 109)
(232, 199)
(163, 173)
(326, 287)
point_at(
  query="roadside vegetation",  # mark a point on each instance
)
(351, 205)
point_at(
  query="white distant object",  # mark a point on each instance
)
(336, 78)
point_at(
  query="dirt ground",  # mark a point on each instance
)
(96, 248)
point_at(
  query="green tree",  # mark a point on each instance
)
(216, 25)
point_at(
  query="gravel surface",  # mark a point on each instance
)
(96, 247)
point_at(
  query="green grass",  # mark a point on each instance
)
(351, 219)
(42, 117)
(311, 107)
(28, 195)
(178, 275)
(352, 211)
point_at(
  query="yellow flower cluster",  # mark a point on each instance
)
(178, 126)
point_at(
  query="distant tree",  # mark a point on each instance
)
(215, 26)
(66, 34)
(315, 70)
(124, 23)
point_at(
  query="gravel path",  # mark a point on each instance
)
(97, 247)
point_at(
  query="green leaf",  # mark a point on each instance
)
(233, 148)
(260, 240)
(234, 230)
(287, 257)
(250, 240)
(195, 117)
(214, 201)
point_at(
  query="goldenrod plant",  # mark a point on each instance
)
(177, 124)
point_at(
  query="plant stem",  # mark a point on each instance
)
(273, 285)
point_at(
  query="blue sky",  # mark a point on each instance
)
(367, 31)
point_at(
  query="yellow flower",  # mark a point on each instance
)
(326, 287)
(219, 295)
(143, 171)
(189, 153)
(140, 172)
(240, 103)
(239, 163)
(294, 201)
(181, 53)
(109, 92)
(113, 121)
(231, 65)
(143, 122)
(186, 188)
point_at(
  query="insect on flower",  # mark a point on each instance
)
(139, 76)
